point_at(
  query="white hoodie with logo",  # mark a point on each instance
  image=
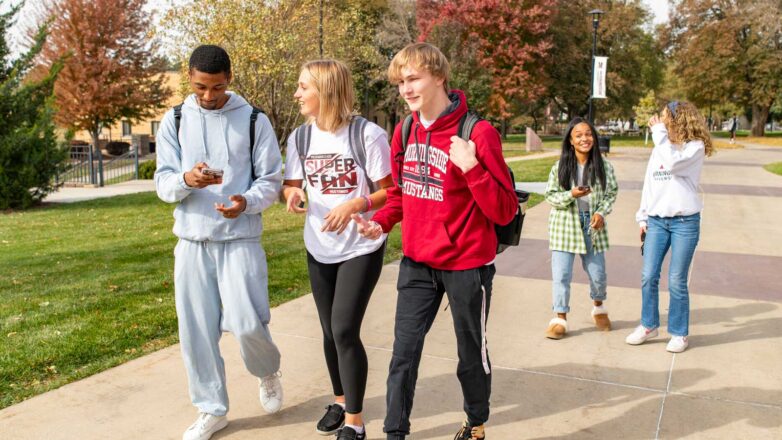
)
(672, 178)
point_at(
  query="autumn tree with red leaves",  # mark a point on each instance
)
(110, 70)
(509, 40)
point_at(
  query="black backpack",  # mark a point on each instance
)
(358, 149)
(253, 118)
(507, 235)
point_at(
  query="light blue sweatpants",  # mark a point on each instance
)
(221, 286)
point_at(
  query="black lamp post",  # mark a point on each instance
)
(595, 13)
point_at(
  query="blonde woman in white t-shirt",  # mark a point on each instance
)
(343, 266)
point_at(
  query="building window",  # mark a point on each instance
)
(126, 131)
(153, 127)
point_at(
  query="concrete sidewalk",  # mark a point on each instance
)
(728, 385)
(70, 194)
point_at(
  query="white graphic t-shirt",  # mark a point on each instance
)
(332, 178)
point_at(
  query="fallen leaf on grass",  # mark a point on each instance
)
(44, 304)
(113, 287)
(11, 334)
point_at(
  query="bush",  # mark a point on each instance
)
(117, 148)
(146, 170)
(30, 155)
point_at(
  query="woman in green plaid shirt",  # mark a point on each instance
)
(581, 191)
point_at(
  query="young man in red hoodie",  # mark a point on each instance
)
(449, 194)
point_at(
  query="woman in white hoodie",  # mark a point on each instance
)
(669, 218)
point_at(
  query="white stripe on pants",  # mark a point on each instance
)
(221, 286)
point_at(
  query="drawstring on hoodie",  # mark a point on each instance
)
(423, 171)
(223, 133)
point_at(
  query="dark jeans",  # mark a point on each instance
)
(421, 291)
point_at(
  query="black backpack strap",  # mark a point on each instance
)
(407, 125)
(358, 147)
(253, 118)
(178, 120)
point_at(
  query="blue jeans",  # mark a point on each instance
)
(594, 265)
(680, 234)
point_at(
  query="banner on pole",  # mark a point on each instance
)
(599, 79)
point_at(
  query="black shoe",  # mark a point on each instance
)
(395, 437)
(468, 432)
(332, 420)
(348, 433)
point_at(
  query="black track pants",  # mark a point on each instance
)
(421, 291)
(342, 292)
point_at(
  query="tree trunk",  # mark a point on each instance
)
(759, 118)
(504, 129)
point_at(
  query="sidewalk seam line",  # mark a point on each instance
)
(665, 395)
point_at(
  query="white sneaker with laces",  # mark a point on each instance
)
(271, 393)
(640, 335)
(206, 425)
(677, 344)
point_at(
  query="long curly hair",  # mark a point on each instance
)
(685, 123)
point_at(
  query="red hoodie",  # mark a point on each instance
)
(448, 216)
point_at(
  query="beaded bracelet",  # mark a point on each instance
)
(368, 203)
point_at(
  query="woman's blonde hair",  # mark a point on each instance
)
(332, 80)
(685, 123)
(420, 56)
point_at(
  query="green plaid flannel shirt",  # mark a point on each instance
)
(564, 226)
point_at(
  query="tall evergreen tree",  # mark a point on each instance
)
(30, 155)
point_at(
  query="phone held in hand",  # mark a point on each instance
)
(583, 188)
(212, 172)
(643, 239)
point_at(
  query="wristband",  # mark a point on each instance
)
(368, 201)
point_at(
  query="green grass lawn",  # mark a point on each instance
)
(533, 170)
(775, 168)
(87, 286)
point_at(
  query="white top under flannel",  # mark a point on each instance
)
(565, 233)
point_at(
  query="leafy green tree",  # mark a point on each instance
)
(729, 50)
(635, 64)
(269, 41)
(30, 156)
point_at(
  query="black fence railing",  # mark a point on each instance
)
(88, 167)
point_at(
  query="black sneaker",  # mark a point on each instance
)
(332, 420)
(468, 432)
(348, 433)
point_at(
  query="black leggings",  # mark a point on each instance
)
(341, 293)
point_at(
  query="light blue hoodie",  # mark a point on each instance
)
(221, 138)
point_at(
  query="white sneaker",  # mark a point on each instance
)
(677, 344)
(271, 393)
(640, 335)
(204, 427)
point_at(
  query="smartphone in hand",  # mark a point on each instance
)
(212, 172)
(584, 188)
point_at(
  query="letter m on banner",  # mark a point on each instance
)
(599, 78)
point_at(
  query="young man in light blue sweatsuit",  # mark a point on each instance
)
(206, 164)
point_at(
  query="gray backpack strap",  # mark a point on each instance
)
(358, 148)
(466, 124)
(302, 136)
